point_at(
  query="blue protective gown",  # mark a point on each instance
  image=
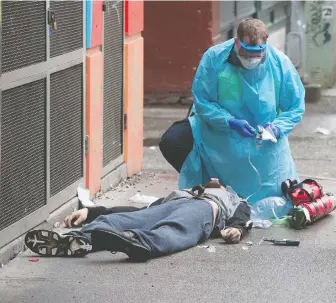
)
(272, 92)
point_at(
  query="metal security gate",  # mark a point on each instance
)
(41, 110)
(275, 14)
(113, 116)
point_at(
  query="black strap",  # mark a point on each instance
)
(305, 187)
(309, 181)
(189, 111)
(195, 196)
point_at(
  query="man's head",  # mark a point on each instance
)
(252, 31)
(250, 42)
(214, 183)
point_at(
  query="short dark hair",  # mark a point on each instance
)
(254, 29)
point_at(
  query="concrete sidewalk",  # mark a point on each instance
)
(232, 273)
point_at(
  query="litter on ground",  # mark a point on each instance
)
(140, 198)
(323, 131)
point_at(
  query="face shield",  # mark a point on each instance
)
(250, 56)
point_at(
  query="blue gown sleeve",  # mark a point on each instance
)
(204, 90)
(291, 102)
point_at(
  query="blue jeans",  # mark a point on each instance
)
(176, 143)
(167, 228)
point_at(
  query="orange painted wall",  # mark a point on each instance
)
(133, 93)
(94, 120)
(133, 85)
(134, 96)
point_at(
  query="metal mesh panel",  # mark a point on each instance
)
(66, 116)
(23, 34)
(69, 34)
(113, 81)
(23, 184)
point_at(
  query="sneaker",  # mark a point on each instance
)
(125, 242)
(51, 244)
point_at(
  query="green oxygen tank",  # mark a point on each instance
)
(298, 218)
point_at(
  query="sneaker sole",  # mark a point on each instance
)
(50, 244)
(119, 243)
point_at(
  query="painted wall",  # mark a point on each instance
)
(177, 33)
(133, 87)
(94, 121)
(94, 95)
(133, 90)
(320, 17)
(296, 40)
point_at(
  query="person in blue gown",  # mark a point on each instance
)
(239, 85)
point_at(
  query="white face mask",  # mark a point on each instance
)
(250, 63)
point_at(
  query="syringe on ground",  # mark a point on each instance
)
(283, 242)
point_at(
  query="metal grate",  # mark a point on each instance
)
(23, 170)
(66, 122)
(23, 34)
(68, 36)
(113, 81)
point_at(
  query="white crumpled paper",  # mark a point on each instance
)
(140, 198)
(84, 197)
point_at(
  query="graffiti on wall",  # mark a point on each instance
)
(319, 25)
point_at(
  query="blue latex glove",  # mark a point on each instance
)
(274, 129)
(242, 127)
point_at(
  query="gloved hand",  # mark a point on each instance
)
(275, 129)
(242, 127)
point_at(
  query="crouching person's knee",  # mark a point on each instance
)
(164, 145)
(168, 149)
(169, 141)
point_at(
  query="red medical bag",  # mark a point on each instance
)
(309, 194)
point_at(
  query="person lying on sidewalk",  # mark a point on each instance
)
(180, 221)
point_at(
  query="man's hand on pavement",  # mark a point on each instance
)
(231, 235)
(242, 127)
(76, 218)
